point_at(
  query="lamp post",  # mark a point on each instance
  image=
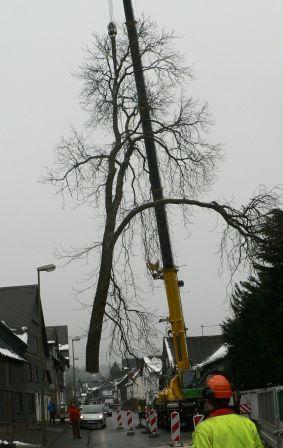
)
(74, 339)
(45, 268)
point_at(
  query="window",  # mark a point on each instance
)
(35, 344)
(29, 372)
(2, 372)
(31, 404)
(19, 402)
(35, 374)
(8, 372)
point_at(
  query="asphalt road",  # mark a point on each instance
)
(111, 437)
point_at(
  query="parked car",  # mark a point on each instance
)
(92, 416)
(107, 410)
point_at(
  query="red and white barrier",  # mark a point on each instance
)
(245, 408)
(175, 427)
(130, 423)
(119, 419)
(153, 423)
(197, 418)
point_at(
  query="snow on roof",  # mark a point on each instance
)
(220, 353)
(23, 337)
(20, 332)
(170, 357)
(120, 380)
(63, 347)
(153, 364)
(95, 387)
(135, 374)
(10, 354)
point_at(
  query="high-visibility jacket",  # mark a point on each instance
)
(226, 431)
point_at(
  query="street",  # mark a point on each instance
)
(112, 437)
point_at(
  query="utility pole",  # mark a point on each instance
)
(75, 339)
(42, 368)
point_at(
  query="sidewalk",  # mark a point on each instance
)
(66, 440)
(32, 436)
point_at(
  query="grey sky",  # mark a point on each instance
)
(236, 50)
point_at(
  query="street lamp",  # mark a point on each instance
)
(46, 268)
(74, 339)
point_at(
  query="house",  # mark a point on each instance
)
(25, 345)
(63, 340)
(23, 331)
(12, 370)
(58, 361)
(133, 386)
(120, 389)
(142, 381)
(144, 384)
(150, 376)
(199, 349)
(102, 393)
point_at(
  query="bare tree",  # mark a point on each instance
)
(113, 177)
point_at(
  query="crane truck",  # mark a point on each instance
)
(183, 393)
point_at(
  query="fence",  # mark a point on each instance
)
(267, 410)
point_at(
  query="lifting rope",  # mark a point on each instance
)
(111, 14)
(112, 32)
(112, 29)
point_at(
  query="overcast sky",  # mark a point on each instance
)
(236, 50)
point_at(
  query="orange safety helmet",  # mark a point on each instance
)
(217, 386)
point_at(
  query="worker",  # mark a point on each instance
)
(74, 414)
(222, 427)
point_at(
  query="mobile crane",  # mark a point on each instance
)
(182, 393)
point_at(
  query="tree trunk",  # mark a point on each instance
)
(100, 299)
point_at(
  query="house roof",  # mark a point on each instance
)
(13, 347)
(9, 353)
(51, 335)
(17, 305)
(220, 353)
(153, 364)
(62, 333)
(131, 363)
(20, 334)
(121, 381)
(168, 345)
(199, 348)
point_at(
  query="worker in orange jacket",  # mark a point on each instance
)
(222, 426)
(75, 416)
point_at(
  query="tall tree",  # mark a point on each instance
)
(255, 332)
(113, 176)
